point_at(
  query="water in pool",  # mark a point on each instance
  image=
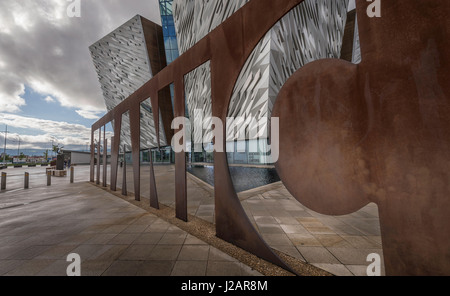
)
(244, 178)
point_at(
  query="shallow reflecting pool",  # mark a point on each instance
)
(244, 178)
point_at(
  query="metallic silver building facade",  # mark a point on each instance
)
(313, 30)
(122, 62)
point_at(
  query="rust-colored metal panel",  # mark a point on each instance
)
(349, 37)
(233, 43)
(379, 132)
(180, 158)
(135, 127)
(153, 192)
(124, 174)
(228, 47)
(115, 147)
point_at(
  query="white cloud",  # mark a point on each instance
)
(45, 131)
(48, 51)
(88, 114)
(11, 95)
(49, 99)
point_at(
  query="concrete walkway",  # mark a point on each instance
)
(339, 245)
(41, 226)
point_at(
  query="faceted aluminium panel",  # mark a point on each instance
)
(123, 64)
(313, 30)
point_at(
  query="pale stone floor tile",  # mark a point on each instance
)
(269, 228)
(124, 238)
(94, 267)
(137, 252)
(172, 239)
(336, 269)
(135, 228)
(353, 256)
(332, 240)
(192, 240)
(317, 255)
(189, 268)
(276, 239)
(189, 252)
(361, 242)
(58, 252)
(220, 268)
(8, 265)
(303, 240)
(148, 238)
(358, 270)
(165, 252)
(291, 251)
(287, 220)
(264, 220)
(156, 268)
(217, 255)
(57, 268)
(289, 229)
(123, 268)
(108, 253)
(100, 239)
(30, 267)
(29, 253)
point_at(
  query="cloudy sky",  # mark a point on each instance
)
(48, 84)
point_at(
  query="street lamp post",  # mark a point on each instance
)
(4, 151)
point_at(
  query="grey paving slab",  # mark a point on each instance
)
(156, 268)
(107, 231)
(165, 252)
(336, 269)
(137, 252)
(219, 268)
(189, 268)
(353, 256)
(191, 252)
(123, 268)
(317, 255)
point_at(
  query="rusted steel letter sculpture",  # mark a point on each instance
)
(379, 132)
(349, 134)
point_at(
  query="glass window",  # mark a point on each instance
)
(171, 31)
(167, 43)
(169, 56)
(175, 54)
(173, 43)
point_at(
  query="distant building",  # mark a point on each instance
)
(78, 157)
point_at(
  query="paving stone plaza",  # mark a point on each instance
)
(40, 226)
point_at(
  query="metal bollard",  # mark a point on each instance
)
(3, 181)
(49, 178)
(71, 174)
(27, 181)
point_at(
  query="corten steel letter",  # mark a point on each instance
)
(98, 155)
(135, 127)
(115, 147)
(180, 158)
(379, 132)
(153, 192)
(233, 43)
(227, 47)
